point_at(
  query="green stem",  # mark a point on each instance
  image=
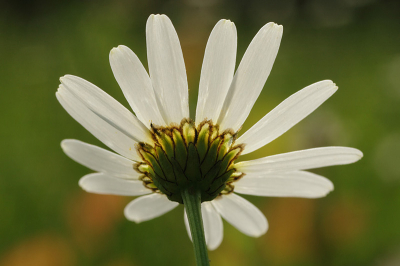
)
(192, 201)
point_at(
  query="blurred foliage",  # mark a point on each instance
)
(47, 220)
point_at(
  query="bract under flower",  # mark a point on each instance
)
(187, 156)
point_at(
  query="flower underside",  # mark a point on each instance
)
(189, 157)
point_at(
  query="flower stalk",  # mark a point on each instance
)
(192, 201)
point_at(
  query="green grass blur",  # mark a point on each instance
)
(46, 219)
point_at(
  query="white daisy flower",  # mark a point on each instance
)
(160, 150)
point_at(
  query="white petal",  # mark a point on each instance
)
(242, 214)
(212, 223)
(167, 68)
(107, 108)
(286, 115)
(148, 207)
(105, 132)
(217, 70)
(250, 76)
(101, 183)
(99, 159)
(136, 85)
(301, 160)
(291, 184)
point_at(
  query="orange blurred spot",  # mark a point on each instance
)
(291, 234)
(346, 220)
(92, 217)
(43, 250)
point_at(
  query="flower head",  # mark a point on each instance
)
(160, 151)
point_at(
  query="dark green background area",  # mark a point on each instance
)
(46, 219)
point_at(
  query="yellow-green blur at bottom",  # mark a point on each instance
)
(187, 156)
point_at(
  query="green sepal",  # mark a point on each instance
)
(165, 165)
(193, 164)
(145, 168)
(202, 141)
(211, 157)
(189, 132)
(228, 159)
(167, 144)
(151, 186)
(219, 183)
(224, 147)
(146, 178)
(167, 187)
(235, 176)
(210, 176)
(161, 187)
(148, 157)
(149, 149)
(180, 148)
(214, 133)
(181, 178)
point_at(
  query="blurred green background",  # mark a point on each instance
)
(46, 219)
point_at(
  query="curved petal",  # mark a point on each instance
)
(217, 70)
(101, 129)
(250, 76)
(213, 227)
(301, 160)
(167, 69)
(136, 85)
(291, 184)
(242, 214)
(107, 108)
(99, 159)
(101, 183)
(148, 207)
(287, 114)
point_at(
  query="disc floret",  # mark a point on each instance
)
(189, 157)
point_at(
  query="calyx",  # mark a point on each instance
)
(189, 157)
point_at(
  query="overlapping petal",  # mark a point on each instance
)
(217, 70)
(101, 183)
(212, 223)
(284, 184)
(106, 108)
(250, 76)
(167, 69)
(99, 159)
(301, 160)
(242, 214)
(100, 128)
(148, 207)
(136, 85)
(286, 115)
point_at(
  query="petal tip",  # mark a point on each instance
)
(131, 217)
(114, 50)
(67, 78)
(274, 26)
(64, 144)
(59, 90)
(359, 153)
(63, 78)
(226, 23)
(82, 184)
(262, 232)
(158, 16)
